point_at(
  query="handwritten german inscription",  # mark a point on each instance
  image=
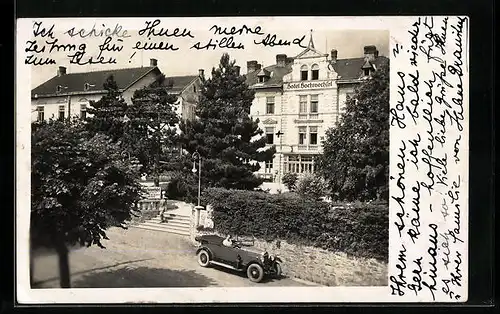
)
(428, 185)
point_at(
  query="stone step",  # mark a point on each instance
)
(171, 221)
(165, 226)
(178, 224)
(170, 216)
(162, 229)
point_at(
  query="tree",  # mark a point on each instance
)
(106, 115)
(227, 138)
(81, 184)
(152, 125)
(355, 159)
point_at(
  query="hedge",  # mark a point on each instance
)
(359, 229)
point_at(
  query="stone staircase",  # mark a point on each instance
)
(176, 221)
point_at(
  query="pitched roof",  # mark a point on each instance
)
(179, 82)
(276, 79)
(74, 82)
(347, 69)
(352, 69)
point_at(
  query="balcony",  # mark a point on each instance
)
(308, 117)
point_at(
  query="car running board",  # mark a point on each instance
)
(225, 265)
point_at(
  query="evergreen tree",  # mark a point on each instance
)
(106, 115)
(152, 126)
(355, 159)
(228, 140)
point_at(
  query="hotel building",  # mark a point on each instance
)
(299, 98)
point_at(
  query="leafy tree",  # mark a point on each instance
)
(80, 185)
(355, 161)
(290, 180)
(106, 115)
(227, 138)
(151, 129)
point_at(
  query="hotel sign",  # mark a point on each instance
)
(308, 85)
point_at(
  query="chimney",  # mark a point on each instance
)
(201, 73)
(281, 60)
(333, 54)
(61, 71)
(289, 60)
(371, 53)
(153, 62)
(237, 68)
(251, 66)
(258, 66)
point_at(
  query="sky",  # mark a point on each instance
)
(349, 43)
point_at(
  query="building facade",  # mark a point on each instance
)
(70, 94)
(298, 99)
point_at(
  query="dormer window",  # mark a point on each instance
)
(367, 68)
(58, 88)
(263, 75)
(315, 72)
(86, 86)
(303, 73)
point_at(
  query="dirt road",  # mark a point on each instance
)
(137, 258)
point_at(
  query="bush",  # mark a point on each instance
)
(311, 186)
(290, 180)
(182, 187)
(357, 229)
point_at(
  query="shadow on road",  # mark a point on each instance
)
(143, 277)
(243, 274)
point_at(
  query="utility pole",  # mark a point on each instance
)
(278, 134)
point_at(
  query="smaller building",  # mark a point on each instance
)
(70, 94)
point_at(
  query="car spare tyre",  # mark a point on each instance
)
(255, 272)
(203, 258)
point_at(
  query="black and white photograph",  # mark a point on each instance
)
(291, 153)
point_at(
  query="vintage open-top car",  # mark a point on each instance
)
(245, 258)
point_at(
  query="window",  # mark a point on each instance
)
(61, 113)
(41, 113)
(86, 86)
(83, 111)
(300, 163)
(58, 88)
(314, 104)
(315, 72)
(194, 88)
(303, 73)
(270, 135)
(367, 72)
(302, 135)
(269, 166)
(313, 135)
(270, 105)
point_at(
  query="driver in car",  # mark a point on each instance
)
(228, 241)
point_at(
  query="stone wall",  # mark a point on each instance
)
(311, 263)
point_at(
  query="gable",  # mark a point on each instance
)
(310, 53)
(270, 121)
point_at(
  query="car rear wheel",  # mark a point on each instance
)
(203, 258)
(255, 273)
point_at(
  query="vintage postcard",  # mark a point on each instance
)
(228, 159)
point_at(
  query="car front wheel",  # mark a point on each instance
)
(255, 273)
(277, 270)
(203, 258)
